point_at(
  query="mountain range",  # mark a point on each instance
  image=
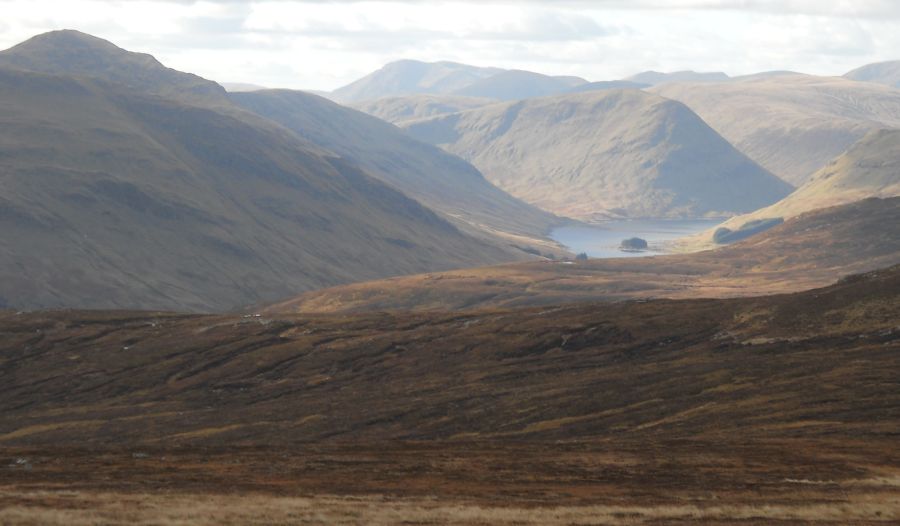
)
(406, 77)
(887, 73)
(441, 181)
(406, 108)
(791, 124)
(411, 77)
(870, 168)
(604, 154)
(131, 185)
(656, 78)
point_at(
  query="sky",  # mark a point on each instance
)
(322, 44)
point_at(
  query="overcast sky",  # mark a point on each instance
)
(325, 44)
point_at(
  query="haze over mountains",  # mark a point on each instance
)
(516, 84)
(410, 77)
(275, 191)
(656, 78)
(605, 154)
(887, 73)
(398, 110)
(441, 181)
(162, 194)
(255, 305)
(791, 124)
(74, 53)
(406, 77)
(870, 168)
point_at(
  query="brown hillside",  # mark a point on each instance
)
(808, 251)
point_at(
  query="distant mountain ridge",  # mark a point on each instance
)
(605, 154)
(412, 77)
(869, 169)
(887, 73)
(441, 181)
(407, 77)
(517, 84)
(607, 84)
(791, 124)
(656, 78)
(405, 108)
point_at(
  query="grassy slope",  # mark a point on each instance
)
(817, 365)
(398, 110)
(113, 199)
(870, 168)
(617, 152)
(791, 124)
(441, 181)
(809, 251)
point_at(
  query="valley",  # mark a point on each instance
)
(483, 274)
(809, 251)
(604, 240)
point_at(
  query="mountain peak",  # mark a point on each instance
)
(74, 53)
(406, 77)
(48, 52)
(67, 36)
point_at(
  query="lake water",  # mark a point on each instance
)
(602, 240)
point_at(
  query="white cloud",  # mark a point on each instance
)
(323, 44)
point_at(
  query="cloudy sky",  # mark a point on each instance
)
(321, 44)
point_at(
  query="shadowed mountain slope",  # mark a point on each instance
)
(818, 364)
(792, 125)
(808, 251)
(607, 153)
(114, 199)
(406, 77)
(441, 181)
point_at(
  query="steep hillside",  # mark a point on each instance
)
(808, 251)
(406, 77)
(69, 52)
(441, 181)
(792, 125)
(113, 199)
(516, 84)
(656, 78)
(887, 73)
(398, 110)
(870, 168)
(607, 153)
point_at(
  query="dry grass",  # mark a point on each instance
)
(77, 508)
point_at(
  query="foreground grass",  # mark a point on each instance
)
(83, 508)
